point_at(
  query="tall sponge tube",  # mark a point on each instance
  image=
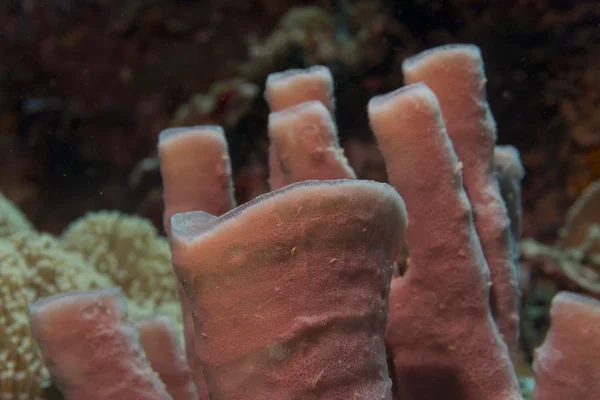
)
(441, 337)
(455, 73)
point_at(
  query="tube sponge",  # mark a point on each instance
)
(456, 75)
(196, 174)
(196, 170)
(90, 349)
(294, 86)
(442, 341)
(163, 350)
(305, 137)
(289, 291)
(567, 365)
(291, 88)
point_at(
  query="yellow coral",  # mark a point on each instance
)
(32, 266)
(22, 372)
(51, 269)
(128, 250)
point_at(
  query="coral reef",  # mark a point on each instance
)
(495, 375)
(294, 293)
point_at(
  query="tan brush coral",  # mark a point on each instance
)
(32, 265)
(11, 218)
(51, 269)
(22, 372)
(129, 251)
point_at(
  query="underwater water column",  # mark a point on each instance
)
(290, 88)
(91, 350)
(456, 75)
(567, 365)
(305, 137)
(166, 356)
(290, 291)
(441, 336)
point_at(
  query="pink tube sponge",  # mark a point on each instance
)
(288, 89)
(196, 174)
(289, 291)
(90, 350)
(567, 365)
(161, 346)
(294, 86)
(196, 170)
(306, 140)
(455, 74)
(440, 335)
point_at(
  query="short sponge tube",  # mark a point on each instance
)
(252, 276)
